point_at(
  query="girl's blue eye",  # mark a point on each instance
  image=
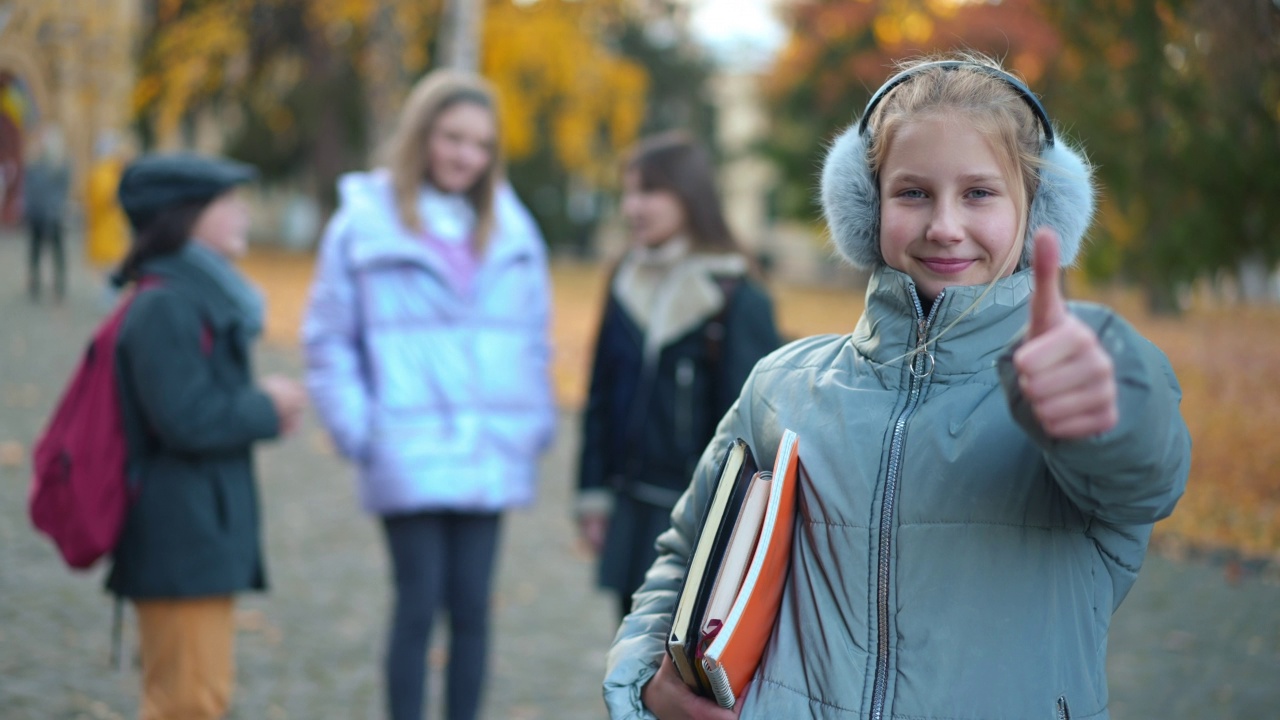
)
(980, 193)
(913, 193)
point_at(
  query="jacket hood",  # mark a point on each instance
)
(1064, 200)
(367, 200)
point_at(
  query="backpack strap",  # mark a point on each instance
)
(718, 326)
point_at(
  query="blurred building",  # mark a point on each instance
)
(788, 250)
(66, 64)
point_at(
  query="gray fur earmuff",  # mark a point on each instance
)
(1064, 198)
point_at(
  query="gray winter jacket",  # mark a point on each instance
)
(949, 560)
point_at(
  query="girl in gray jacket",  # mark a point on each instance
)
(984, 460)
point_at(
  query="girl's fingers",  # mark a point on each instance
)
(1086, 425)
(1069, 339)
(1091, 367)
(1069, 380)
(1087, 409)
(1082, 402)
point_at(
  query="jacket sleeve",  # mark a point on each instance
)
(170, 374)
(594, 494)
(331, 339)
(750, 334)
(640, 642)
(1134, 473)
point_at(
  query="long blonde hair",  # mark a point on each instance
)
(404, 153)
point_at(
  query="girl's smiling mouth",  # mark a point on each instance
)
(946, 266)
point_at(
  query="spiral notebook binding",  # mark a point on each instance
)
(719, 682)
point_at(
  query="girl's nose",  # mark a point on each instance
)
(944, 224)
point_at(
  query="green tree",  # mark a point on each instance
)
(286, 80)
(676, 94)
(1178, 103)
(306, 88)
(1118, 90)
(1238, 46)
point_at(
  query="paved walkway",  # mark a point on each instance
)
(1186, 645)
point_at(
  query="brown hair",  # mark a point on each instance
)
(990, 105)
(404, 153)
(164, 233)
(674, 162)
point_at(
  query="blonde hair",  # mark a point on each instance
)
(992, 107)
(404, 153)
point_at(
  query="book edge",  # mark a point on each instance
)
(760, 477)
(727, 488)
(757, 561)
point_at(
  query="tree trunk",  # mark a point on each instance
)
(459, 39)
(1162, 298)
(327, 149)
(386, 77)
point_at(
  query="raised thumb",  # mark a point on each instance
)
(1048, 308)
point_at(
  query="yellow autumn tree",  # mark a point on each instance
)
(305, 88)
(190, 62)
(558, 83)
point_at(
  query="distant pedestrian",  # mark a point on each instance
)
(685, 321)
(192, 538)
(106, 231)
(427, 358)
(45, 188)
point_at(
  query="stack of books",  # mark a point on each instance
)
(736, 574)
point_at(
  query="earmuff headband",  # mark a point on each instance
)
(1025, 92)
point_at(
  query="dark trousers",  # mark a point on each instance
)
(439, 560)
(47, 232)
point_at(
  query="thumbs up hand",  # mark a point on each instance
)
(1063, 371)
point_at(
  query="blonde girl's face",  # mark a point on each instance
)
(461, 146)
(948, 214)
(223, 225)
(652, 216)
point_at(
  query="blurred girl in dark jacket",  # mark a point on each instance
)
(192, 414)
(684, 323)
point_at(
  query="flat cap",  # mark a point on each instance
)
(154, 182)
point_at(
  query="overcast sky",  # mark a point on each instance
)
(732, 26)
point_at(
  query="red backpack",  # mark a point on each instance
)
(80, 491)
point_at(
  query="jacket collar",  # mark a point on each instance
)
(967, 330)
(381, 238)
(217, 304)
(668, 300)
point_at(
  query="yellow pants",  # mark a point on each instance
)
(188, 657)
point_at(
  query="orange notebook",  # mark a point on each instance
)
(735, 650)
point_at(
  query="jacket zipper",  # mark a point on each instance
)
(921, 368)
(1064, 713)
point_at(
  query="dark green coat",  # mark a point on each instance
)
(192, 413)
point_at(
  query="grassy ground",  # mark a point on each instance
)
(1224, 356)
